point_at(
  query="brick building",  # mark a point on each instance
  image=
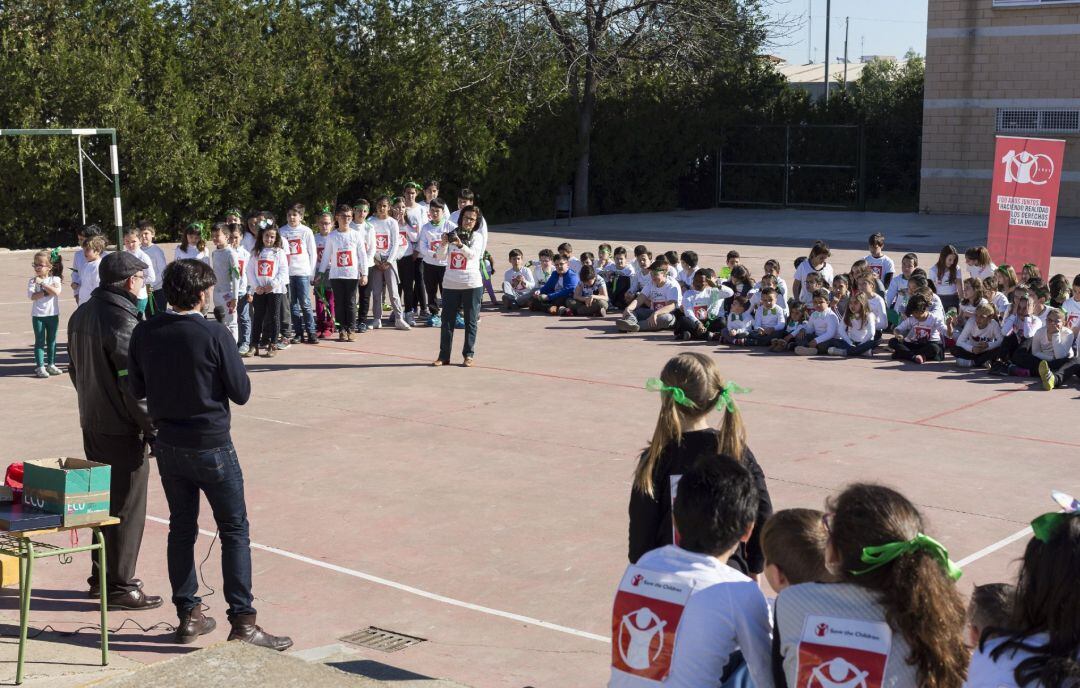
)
(1009, 67)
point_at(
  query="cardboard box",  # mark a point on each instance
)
(76, 489)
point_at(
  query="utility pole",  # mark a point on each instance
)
(846, 21)
(810, 31)
(828, 17)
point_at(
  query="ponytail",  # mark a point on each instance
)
(668, 429)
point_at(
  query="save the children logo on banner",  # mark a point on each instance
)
(843, 653)
(1024, 199)
(644, 622)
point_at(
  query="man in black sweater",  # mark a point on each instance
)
(188, 369)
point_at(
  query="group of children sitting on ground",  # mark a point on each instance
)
(990, 318)
(866, 598)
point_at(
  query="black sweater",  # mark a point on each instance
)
(650, 517)
(187, 368)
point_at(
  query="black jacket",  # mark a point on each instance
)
(650, 517)
(98, 335)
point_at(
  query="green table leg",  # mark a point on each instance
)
(100, 540)
(26, 586)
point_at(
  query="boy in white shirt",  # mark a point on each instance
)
(688, 261)
(880, 264)
(980, 339)
(518, 283)
(681, 613)
(642, 278)
(543, 267)
(654, 306)
(147, 232)
(93, 251)
(1072, 305)
(769, 319)
(131, 245)
(226, 267)
(896, 295)
(566, 250)
(823, 325)
(1051, 348)
(243, 298)
(702, 311)
(739, 324)
(300, 246)
(620, 279)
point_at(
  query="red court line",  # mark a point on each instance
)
(922, 422)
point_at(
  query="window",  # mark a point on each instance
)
(1032, 3)
(1039, 121)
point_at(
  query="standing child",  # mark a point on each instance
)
(89, 279)
(147, 232)
(978, 262)
(382, 277)
(299, 242)
(84, 233)
(267, 277)
(407, 262)
(922, 333)
(132, 246)
(192, 245)
(226, 265)
(945, 274)
(518, 283)
(590, 295)
(325, 315)
(243, 299)
(817, 261)
(858, 330)
(360, 223)
(44, 292)
(428, 243)
(978, 342)
(880, 264)
(823, 326)
(344, 266)
(487, 269)
(702, 311)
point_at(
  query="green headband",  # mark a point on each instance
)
(878, 556)
(197, 226)
(412, 185)
(725, 402)
(1047, 525)
(54, 255)
(233, 211)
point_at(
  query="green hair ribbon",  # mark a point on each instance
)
(725, 402)
(328, 210)
(54, 255)
(234, 211)
(1047, 525)
(655, 384)
(879, 555)
(196, 226)
(412, 185)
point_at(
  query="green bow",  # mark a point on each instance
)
(54, 255)
(196, 226)
(1047, 525)
(879, 555)
(328, 210)
(655, 384)
(725, 402)
(412, 185)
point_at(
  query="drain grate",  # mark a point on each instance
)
(381, 639)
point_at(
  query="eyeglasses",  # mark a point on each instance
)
(139, 275)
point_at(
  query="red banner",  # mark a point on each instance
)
(1023, 200)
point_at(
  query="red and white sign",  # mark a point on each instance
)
(648, 608)
(458, 261)
(843, 653)
(344, 259)
(296, 246)
(266, 268)
(382, 242)
(1024, 199)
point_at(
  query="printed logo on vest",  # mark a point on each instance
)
(403, 239)
(701, 312)
(266, 268)
(843, 653)
(296, 247)
(648, 608)
(382, 242)
(458, 261)
(877, 270)
(922, 333)
(344, 259)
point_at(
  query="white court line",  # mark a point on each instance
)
(413, 591)
(1000, 544)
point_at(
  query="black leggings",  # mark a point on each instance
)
(977, 359)
(407, 282)
(433, 277)
(345, 303)
(266, 322)
(906, 351)
(364, 299)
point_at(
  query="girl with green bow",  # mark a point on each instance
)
(893, 583)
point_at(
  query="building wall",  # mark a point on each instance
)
(980, 58)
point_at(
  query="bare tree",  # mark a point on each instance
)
(597, 39)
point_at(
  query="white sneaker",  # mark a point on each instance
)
(806, 351)
(965, 362)
(53, 370)
(837, 351)
(401, 324)
(376, 323)
(41, 372)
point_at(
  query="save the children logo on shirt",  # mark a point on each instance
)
(701, 312)
(382, 242)
(922, 333)
(843, 653)
(266, 268)
(458, 261)
(644, 622)
(296, 246)
(344, 259)
(876, 269)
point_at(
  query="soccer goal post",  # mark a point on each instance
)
(114, 165)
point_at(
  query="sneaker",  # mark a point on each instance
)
(295, 339)
(361, 328)
(311, 338)
(837, 351)
(435, 321)
(284, 344)
(1017, 371)
(401, 324)
(965, 362)
(376, 323)
(1047, 376)
(410, 319)
(918, 360)
(244, 348)
(53, 370)
(245, 352)
(999, 368)
(627, 325)
(685, 335)
(565, 312)
(41, 372)
(805, 350)
(459, 321)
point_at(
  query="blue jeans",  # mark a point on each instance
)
(852, 349)
(454, 300)
(300, 301)
(243, 321)
(216, 473)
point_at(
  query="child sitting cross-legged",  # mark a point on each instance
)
(978, 343)
(769, 318)
(740, 324)
(702, 310)
(857, 330)
(824, 325)
(920, 334)
(590, 295)
(654, 306)
(518, 283)
(796, 327)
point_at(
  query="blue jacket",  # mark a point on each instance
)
(569, 281)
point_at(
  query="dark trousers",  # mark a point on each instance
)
(266, 322)
(930, 351)
(454, 300)
(618, 288)
(684, 323)
(363, 299)
(127, 500)
(345, 303)
(1023, 358)
(284, 323)
(418, 284)
(1066, 371)
(433, 276)
(216, 473)
(158, 303)
(978, 360)
(406, 268)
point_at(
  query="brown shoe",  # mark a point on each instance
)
(438, 362)
(134, 601)
(271, 351)
(193, 624)
(468, 362)
(245, 630)
(343, 336)
(350, 335)
(95, 591)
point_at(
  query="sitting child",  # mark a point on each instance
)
(865, 285)
(814, 282)
(794, 542)
(990, 606)
(980, 339)
(1019, 328)
(543, 267)
(796, 326)
(857, 330)
(772, 267)
(841, 292)
(619, 277)
(823, 326)
(921, 334)
(590, 295)
(518, 283)
(896, 295)
(654, 307)
(739, 323)
(1051, 349)
(551, 297)
(702, 309)
(604, 263)
(769, 318)
(689, 262)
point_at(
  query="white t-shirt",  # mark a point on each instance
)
(344, 255)
(49, 305)
(159, 262)
(192, 252)
(89, 279)
(667, 294)
(877, 307)
(984, 672)
(826, 272)
(149, 273)
(1072, 312)
(981, 273)
(520, 282)
(880, 266)
(944, 285)
(724, 611)
(430, 239)
(301, 248)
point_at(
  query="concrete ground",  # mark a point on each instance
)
(484, 509)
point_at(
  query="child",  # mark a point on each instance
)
(299, 243)
(360, 223)
(689, 262)
(893, 620)
(824, 326)
(814, 283)
(1041, 294)
(324, 295)
(226, 267)
(654, 307)
(1019, 328)
(518, 283)
(1029, 272)
(866, 286)
(731, 261)
(543, 268)
(487, 269)
(415, 216)
(604, 263)
(590, 295)
(769, 319)
(638, 251)
(1006, 280)
(767, 281)
(896, 295)
(880, 264)
(740, 324)
(672, 259)
(43, 291)
(772, 267)
(795, 330)
(1072, 305)
(620, 279)
(567, 251)
(430, 238)
(817, 262)
(998, 300)
(977, 345)
(243, 301)
(267, 277)
(147, 232)
(682, 438)
(708, 612)
(587, 258)
(974, 296)
(841, 291)
(921, 331)
(1040, 645)
(641, 278)
(192, 246)
(408, 267)
(945, 274)
(858, 330)
(93, 251)
(551, 296)
(794, 542)
(990, 606)
(344, 265)
(978, 262)
(702, 309)
(131, 245)
(1059, 290)
(382, 276)
(1051, 349)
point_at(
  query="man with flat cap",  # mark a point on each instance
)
(116, 427)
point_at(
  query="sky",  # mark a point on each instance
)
(877, 27)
